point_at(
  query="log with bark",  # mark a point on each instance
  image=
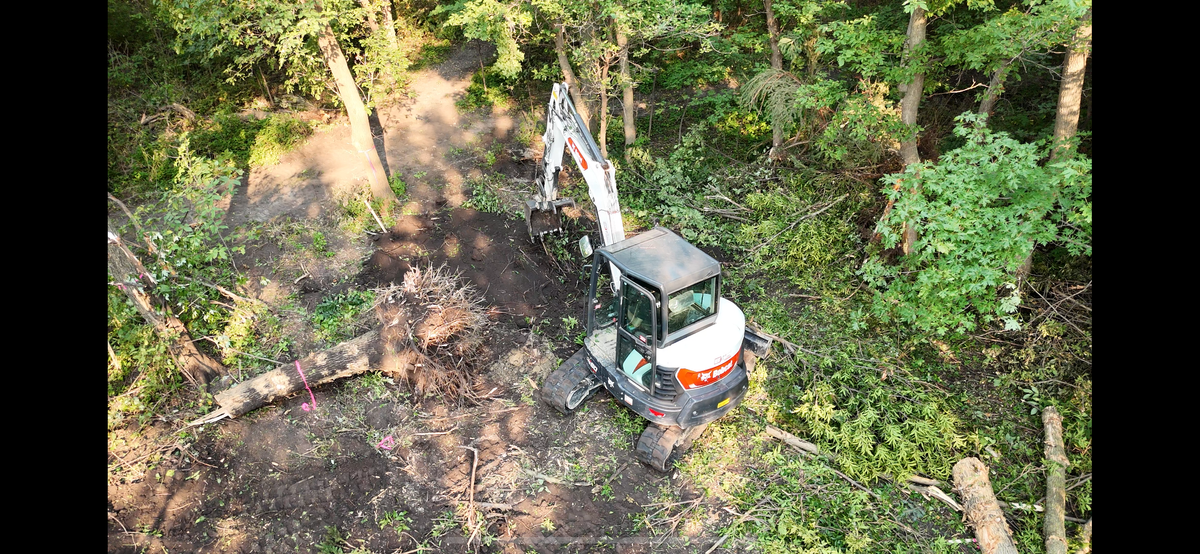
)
(1056, 483)
(348, 358)
(980, 508)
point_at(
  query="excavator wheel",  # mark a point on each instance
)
(660, 445)
(569, 386)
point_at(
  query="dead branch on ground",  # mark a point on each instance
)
(1056, 478)
(980, 507)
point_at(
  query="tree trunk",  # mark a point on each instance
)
(1071, 90)
(908, 108)
(628, 110)
(1066, 120)
(360, 125)
(604, 63)
(199, 368)
(352, 357)
(995, 88)
(389, 24)
(1056, 483)
(560, 49)
(776, 64)
(980, 507)
(371, 23)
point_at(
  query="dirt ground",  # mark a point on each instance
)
(371, 467)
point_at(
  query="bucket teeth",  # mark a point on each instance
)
(544, 217)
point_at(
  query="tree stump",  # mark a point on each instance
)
(979, 505)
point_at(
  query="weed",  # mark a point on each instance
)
(399, 187)
(335, 318)
(332, 542)
(547, 526)
(397, 520)
(444, 523)
(483, 193)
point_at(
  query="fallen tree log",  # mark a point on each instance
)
(980, 508)
(1055, 530)
(352, 357)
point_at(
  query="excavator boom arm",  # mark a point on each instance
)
(566, 131)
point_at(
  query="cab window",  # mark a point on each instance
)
(691, 304)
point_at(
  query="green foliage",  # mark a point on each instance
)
(483, 193)
(977, 213)
(337, 317)
(814, 253)
(141, 372)
(332, 542)
(249, 142)
(277, 135)
(399, 187)
(496, 22)
(488, 89)
(186, 227)
(398, 521)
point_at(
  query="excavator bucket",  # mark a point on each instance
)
(545, 217)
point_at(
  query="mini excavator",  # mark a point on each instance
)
(659, 336)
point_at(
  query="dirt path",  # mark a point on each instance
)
(370, 467)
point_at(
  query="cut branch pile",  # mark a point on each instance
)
(431, 338)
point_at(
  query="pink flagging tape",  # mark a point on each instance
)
(305, 405)
(387, 443)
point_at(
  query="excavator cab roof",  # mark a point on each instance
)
(662, 259)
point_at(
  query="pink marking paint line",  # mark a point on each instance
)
(387, 443)
(305, 405)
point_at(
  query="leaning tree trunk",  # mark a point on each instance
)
(127, 271)
(980, 507)
(1056, 483)
(371, 23)
(628, 110)
(360, 125)
(573, 85)
(605, 63)
(776, 64)
(389, 24)
(995, 88)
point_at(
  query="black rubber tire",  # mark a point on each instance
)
(569, 386)
(689, 437)
(656, 446)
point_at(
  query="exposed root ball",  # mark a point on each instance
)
(432, 328)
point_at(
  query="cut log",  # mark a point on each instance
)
(352, 357)
(980, 508)
(1055, 530)
(1085, 537)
